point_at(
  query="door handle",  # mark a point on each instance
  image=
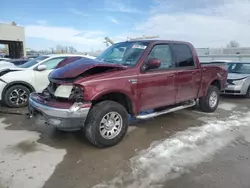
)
(168, 77)
(133, 81)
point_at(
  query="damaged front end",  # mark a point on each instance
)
(60, 105)
(62, 92)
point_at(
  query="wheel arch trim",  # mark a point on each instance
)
(17, 83)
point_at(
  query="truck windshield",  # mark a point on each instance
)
(239, 68)
(32, 62)
(124, 53)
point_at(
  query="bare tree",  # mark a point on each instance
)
(65, 49)
(59, 48)
(71, 49)
(233, 44)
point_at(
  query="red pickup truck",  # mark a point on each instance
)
(128, 78)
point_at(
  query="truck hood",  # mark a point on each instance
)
(235, 76)
(83, 67)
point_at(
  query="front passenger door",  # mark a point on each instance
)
(156, 87)
(41, 77)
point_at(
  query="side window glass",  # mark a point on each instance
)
(52, 63)
(163, 53)
(183, 55)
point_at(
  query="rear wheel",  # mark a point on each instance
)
(16, 96)
(106, 124)
(210, 102)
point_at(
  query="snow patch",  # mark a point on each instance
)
(227, 106)
(23, 161)
(169, 158)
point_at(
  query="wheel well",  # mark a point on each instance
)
(18, 83)
(117, 97)
(217, 84)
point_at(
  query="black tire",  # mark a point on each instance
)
(204, 103)
(248, 93)
(10, 90)
(93, 121)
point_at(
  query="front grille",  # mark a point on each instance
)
(230, 82)
(232, 91)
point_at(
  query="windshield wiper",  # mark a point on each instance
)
(108, 61)
(126, 64)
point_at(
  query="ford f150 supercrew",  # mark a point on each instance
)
(128, 78)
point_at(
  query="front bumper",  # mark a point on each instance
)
(63, 115)
(235, 90)
(2, 86)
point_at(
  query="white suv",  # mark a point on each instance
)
(16, 83)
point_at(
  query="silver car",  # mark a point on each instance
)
(238, 79)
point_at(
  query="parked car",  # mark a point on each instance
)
(6, 63)
(4, 59)
(18, 62)
(96, 95)
(220, 63)
(238, 79)
(16, 83)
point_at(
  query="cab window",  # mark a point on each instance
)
(163, 53)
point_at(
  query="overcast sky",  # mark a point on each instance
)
(85, 23)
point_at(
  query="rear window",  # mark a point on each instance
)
(183, 54)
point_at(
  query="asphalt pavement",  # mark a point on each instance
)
(187, 149)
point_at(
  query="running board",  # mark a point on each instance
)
(155, 114)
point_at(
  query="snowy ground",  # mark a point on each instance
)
(155, 153)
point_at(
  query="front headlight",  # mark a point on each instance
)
(239, 82)
(63, 91)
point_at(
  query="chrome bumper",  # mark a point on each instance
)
(234, 90)
(73, 112)
(72, 118)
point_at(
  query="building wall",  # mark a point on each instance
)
(233, 57)
(223, 51)
(13, 33)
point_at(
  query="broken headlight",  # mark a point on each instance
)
(77, 94)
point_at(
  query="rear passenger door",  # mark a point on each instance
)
(188, 76)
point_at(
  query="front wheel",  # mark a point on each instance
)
(210, 102)
(106, 124)
(16, 96)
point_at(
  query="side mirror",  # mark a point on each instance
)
(41, 67)
(153, 63)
